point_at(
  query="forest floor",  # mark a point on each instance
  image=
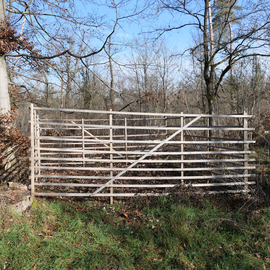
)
(173, 232)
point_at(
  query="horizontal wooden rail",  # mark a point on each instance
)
(148, 186)
(144, 169)
(148, 177)
(51, 138)
(142, 114)
(68, 150)
(101, 194)
(145, 127)
(146, 160)
(146, 194)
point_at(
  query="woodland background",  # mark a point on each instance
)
(149, 56)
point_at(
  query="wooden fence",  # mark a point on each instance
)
(108, 153)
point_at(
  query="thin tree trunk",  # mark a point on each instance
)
(206, 67)
(112, 77)
(231, 44)
(208, 61)
(211, 34)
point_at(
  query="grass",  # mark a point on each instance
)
(160, 233)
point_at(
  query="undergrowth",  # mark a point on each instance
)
(160, 233)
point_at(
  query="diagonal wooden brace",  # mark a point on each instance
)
(146, 155)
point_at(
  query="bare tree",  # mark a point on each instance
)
(49, 26)
(219, 55)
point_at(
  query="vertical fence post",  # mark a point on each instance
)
(38, 144)
(111, 154)
(32, 151)
(208, 131)
(208, 139)
(35, 140)
(83, 145)
(245, 138)
(182, 148)
(126, 148)
(166, 124)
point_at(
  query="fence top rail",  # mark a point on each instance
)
(91, 126)
(142, 113)
(106, 119)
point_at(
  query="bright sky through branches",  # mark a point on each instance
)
(131, 25)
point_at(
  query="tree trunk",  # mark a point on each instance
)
(208, 61)
(112, 77)
(211, 34)
(231, 44)
(4, 95)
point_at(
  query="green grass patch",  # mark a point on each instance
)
(160, 233)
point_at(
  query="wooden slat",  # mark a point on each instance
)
(147, 160)
(100, 194)
(149, 114)
(68, 139)
(131, 194)
(147, 177)
(147, 127)
(144, 169)
(147, 186)
(80, 151)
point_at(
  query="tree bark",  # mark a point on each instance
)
(4, 94)
(231, 44)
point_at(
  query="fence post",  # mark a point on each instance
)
(38, 143)
(83, 145)
(166, 124)
(111, 155)
(35, 140)
(208, 139)
(245, 138)
(126, 148)
(182, 148)
(32, 151)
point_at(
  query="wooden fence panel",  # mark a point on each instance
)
(137, 154)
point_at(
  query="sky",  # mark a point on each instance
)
(128, 29)
(136, 27)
